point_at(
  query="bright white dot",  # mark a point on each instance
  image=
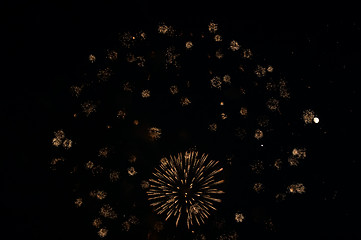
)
(316, 120)
(261, 145)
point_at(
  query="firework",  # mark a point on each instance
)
(185, 187)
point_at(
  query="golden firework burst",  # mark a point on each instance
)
(186, 187)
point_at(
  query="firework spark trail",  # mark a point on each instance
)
(185, 185)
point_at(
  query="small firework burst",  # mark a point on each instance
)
(308, 116)
(78, 202)
(58, 139)
(97, 222)
(76, 90)
(277, 164)
(102, 232)
(92, 58)
(112, 55)
(212, 127)
(247, 53)
(212, 27)
(114, 176)
(145, 93)
(218, 38)
(243, 111)
(189, 45)
(131, 171)
(108, 212)
(144, 184)
(103, 152)
(273, 104)
(238, 217)
(227, 78)
(164, 29)
(224, 116)
(173, 89)
(185, 101)
(296, 188)
(154, 133)
(121, 114)
(88, 108)
(234, 45)
(55, 161)
(258, 134)
(104, 74)
(258, 187)
(216, 82)
(185, 186)
(219, 54)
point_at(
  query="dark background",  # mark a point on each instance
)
(44, 42)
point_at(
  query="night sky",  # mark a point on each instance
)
(45, 51)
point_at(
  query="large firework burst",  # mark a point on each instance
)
(185, 186)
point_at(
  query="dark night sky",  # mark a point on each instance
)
(45, 42)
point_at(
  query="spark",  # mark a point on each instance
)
(184, 187)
